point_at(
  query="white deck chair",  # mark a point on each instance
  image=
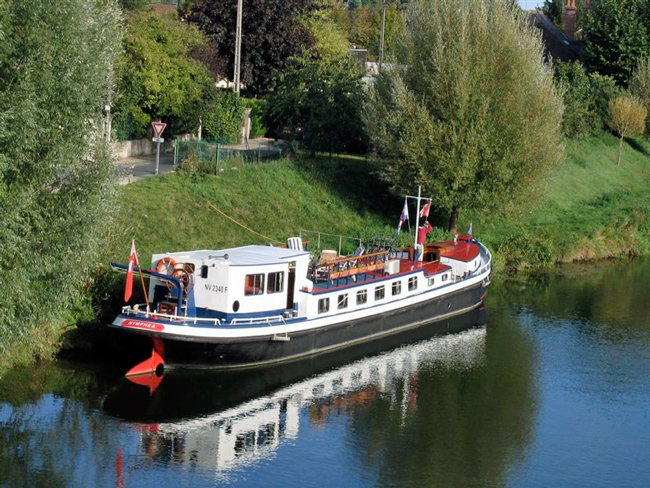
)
(295, 243)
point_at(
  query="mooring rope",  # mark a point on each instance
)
(242, 225)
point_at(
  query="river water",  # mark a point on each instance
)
(548, 386)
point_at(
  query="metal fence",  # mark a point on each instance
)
(215, 157)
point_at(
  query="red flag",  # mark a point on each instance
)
(425, 210)
(133, 261)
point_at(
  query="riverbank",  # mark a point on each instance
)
(590, 209)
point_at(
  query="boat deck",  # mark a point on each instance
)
(337, 274)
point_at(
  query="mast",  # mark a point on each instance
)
(417, 217)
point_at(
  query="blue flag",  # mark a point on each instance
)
(403, 217)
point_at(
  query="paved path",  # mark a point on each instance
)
(136, 168)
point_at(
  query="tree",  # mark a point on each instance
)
(272, 33)
(617, 37)
(320, 100)
(585, 99)
(476, 127)
(627, 119)
(158, 78)
(55, 167)
(640, 86)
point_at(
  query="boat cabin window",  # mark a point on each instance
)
(254, 284)
(380, 292)
(204, 271)
(444, 277)
(275, 283)
(413, 283)
(362, 297)
(343, 301)
(432, 281)
(397, 288)
(323, 305)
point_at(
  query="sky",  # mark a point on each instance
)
(530, 4)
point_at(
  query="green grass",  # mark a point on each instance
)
(589, 208)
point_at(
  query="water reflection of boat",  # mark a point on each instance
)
(223, 420)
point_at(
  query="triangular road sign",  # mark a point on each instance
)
(158, 128)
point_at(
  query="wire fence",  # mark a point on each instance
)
(215, 157)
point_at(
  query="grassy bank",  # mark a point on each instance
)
(590, 208)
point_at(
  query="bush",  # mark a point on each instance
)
(223, 122)
(586, 98)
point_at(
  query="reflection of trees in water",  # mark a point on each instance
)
(49, 437)
(613, 293)
(463, 426)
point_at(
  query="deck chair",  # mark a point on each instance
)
(295, 243)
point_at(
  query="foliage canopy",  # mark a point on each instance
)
(617, 37)
(55, 168)
(640, 86)
(476, 128)
(158, 78)
(272, 33)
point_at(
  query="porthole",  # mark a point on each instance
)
(235, 306)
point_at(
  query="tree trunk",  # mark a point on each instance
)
(620, 150)
(453, 220)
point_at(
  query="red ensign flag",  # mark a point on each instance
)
(425, 210)
(133, 261)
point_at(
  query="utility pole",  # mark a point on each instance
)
(381, 35)
(238, 36)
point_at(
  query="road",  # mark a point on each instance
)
(139, 167)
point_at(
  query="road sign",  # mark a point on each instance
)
(158, 128)
(157, 139)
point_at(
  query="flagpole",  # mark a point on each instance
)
(146, 299)
(417, 225)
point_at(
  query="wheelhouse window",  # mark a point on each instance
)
(413, 283)
(362, 297)
(396, 288)
(343, 301)
(380, 292)
(275, 283)
(323, 305)
(254, 284)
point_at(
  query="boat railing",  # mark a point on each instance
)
(258, 320)
(128, 310)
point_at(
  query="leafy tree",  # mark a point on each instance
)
(640, 86)
(158, 78)
(476, 127)
(586, 98)
(617, 37)
(321, 99)
(272, 33)
(627, 119)
(55, 167)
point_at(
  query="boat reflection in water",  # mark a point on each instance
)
(221, 421)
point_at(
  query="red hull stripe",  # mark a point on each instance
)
(141, 324)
